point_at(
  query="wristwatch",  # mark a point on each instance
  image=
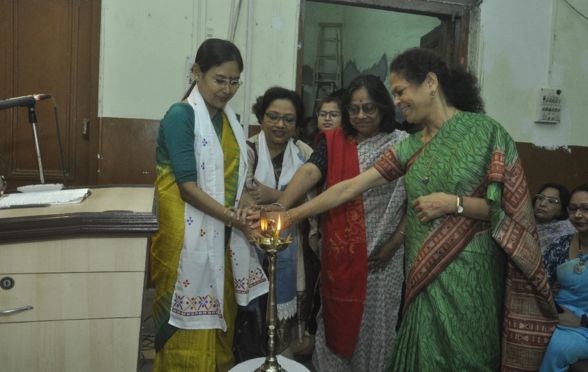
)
(584, 321)
(459, 209)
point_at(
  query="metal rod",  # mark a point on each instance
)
(15, 310)
(38, 150)
(33, 121)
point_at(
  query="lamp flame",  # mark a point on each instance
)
(277, 231)
(263, 224)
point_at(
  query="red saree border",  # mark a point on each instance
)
(529, 316)
(389, 166)
(444, 243)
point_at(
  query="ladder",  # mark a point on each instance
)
(328, 65)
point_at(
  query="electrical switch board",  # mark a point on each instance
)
(549, 106)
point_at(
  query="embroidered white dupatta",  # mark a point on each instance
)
(198, 300)
(264, 172)
(290, 276)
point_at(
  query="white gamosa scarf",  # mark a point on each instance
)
(290, 262)
(198, 299)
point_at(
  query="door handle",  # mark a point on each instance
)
(86, 128)
(16, 310)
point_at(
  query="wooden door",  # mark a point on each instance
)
(439, 40)
(449, 40)
(49, 46)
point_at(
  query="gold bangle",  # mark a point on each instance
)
(290, 219)
(229, 216)
(280, 205)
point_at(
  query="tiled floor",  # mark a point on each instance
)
(147, 343)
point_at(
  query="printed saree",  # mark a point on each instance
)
(382, 208)
(551, 231)
(477, 297)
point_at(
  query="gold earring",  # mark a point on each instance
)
(433, 93)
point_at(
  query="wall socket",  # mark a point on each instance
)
(549, 106)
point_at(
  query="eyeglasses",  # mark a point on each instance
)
(223, 82)
(333, 114)
(274, 118)
(369, 108)
(550, 199)
(583, 208)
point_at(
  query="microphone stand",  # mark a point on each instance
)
(33, 121)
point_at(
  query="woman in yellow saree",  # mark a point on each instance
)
(202, 264)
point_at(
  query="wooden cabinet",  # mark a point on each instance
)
(50, 47)
(81, 267)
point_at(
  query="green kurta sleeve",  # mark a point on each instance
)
(175, 142)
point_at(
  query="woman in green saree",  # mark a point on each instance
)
(476, 293)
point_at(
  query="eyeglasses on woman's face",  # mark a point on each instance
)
(582, 208)
(549, 199)
(334, 115)
(369, 108)
(223, 82)
(274, 118)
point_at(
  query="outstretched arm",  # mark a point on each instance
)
(337, 195)
(305, 178)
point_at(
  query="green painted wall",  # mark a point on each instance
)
(367, 33)
(367, 36)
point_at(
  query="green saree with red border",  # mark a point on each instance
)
(476, 298)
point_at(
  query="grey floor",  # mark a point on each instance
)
(147, 354)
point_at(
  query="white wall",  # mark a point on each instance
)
(144, 46)
(526, 45)
(273, 50)
(147, 47)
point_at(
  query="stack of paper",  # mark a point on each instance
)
(43, 198)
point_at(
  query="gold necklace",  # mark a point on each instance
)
(426, 173)
(425, 178)
(580, 266)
